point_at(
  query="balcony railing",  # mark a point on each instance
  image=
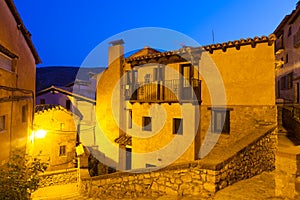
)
(164, 91)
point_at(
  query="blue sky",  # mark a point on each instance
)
(66, 31)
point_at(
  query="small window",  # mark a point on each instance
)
(220, 121)
(155, 74)
(42, 101)
(290, 31)
(24, 113)
(68, 104)
(290, 81)
(62, 126)
(129, 119)
(286, 58)
(283, 82)
(62, 150)
(6, 62)
(147, 125)
(177, 126)
(2, 123)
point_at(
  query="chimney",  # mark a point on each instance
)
(115, 51)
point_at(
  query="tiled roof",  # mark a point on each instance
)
(231, 44)
(48, 107)
(124, 140)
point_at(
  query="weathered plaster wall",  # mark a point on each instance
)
(61, 130)
(244, 160)
(23, 76)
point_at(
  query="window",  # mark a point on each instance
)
(129, 118)
(24, 113)
(62, 150)
(68, 104)
(42, 101)
(290, 81)
(220, 120)
(286, 58)
(155, 74)
(6, 62)
(177, 126)
(147, 125)
(2, 123)
(283, 82)
(290, 31)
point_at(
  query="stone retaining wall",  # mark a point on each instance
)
(291, 121)
(60, 177)
(203, 177)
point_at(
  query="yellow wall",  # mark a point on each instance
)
(12, 39)
(61, 129)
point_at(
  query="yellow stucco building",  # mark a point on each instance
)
(159, 108)
(18, 59)
(55, 136)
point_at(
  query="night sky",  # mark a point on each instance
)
(65, 31)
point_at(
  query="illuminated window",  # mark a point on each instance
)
(62, 150)
(2, 123)
(177, 126)
(147, 125)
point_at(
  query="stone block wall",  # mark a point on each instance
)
(60, 177)
(249, 158)
(291, 121)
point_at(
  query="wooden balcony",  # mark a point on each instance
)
(167, 91)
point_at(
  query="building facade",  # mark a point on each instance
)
(158, 108)
(18, 59)
(287, 51)
(55, 136)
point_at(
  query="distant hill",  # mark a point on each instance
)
(61, 76)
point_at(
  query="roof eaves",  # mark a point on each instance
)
(23, 29)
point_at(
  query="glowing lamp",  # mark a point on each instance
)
(40, 133)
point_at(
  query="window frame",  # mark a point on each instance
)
(25, 113)
(62, 150)
(146, 127)
(4, 128)
(177, 130)
(225, 120)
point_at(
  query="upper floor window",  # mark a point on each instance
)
(2, 123)
(177, 126)
(130, 118)
(68, 104)
(24, 113)
(290, 31)
(42, 101)
(62, 150)
(147, 124)
(6, 62)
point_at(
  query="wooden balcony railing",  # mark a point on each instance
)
(164, 91)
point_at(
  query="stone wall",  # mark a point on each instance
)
(60, 177)
(291, 120)
(247, 158)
